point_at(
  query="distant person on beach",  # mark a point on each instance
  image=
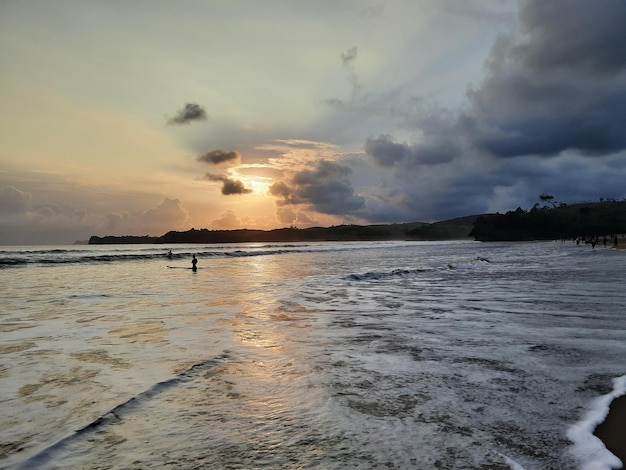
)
(169, 254)
(194, 262)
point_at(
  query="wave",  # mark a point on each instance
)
(99, 254)
(376, 276)
(402, 273)
(48, 453)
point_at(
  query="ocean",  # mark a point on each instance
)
(373, 355)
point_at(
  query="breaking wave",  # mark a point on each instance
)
(98, 255)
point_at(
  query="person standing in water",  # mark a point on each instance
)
(194, 262)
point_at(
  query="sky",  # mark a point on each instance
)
(145, 116)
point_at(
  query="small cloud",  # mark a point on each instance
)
(189, 113)
(349, 57)
(217, 157)
(335, 102)
(348, 60)
(230, 186)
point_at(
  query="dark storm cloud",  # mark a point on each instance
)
(561, 87)
(387, 153)
(217, 157)
(230, 186)
(384, 152)
(582, 36)
(326, 188)
(189, 113)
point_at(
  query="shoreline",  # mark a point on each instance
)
(613, 429)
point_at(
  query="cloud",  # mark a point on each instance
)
(228, 220)
(50, 208)
(217, 157)
(189, 113)
(583, 38)
(384, 152)
(547, 117)
(348, 57)
(23, 221)
(348, 60)
(558, 85)
(14, 201)
(169, 215)
(326, 188)
(387, 153)
(230, 186)
(288, 216)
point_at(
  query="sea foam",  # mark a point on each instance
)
(588, 448)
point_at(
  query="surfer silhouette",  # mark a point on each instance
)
(194, 262)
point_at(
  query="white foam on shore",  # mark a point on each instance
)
(589, 449)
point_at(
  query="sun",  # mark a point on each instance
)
(260, 185)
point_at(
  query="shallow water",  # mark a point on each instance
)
(321, 355)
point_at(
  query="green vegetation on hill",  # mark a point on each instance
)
(539, 223)
(560, 221)
(458, 228)
(453, 229)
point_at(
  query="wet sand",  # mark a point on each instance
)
(613, 430)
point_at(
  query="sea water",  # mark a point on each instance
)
(456, 355)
